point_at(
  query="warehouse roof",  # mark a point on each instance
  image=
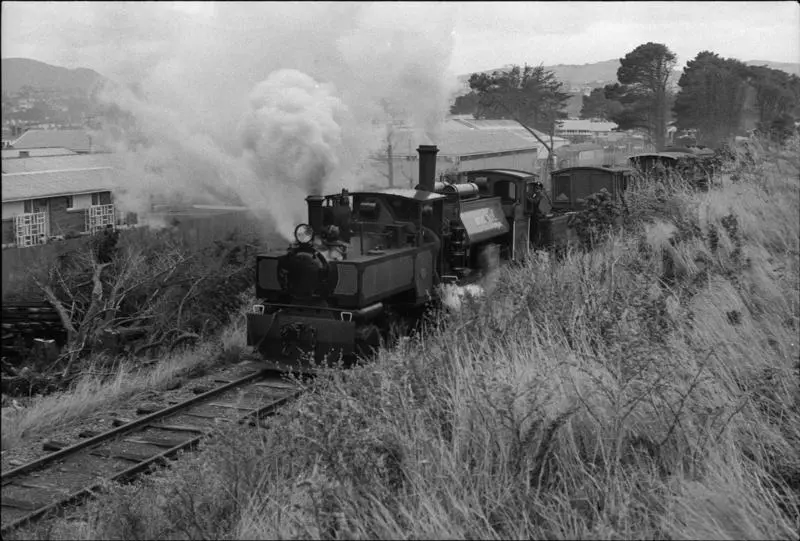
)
(466, 143)
(41, 184)
(587, 125)
(461, 136)
(75, 140)
(13, 153)
(53, 163)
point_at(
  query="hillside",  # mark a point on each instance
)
(20, 72)
(606, 71)
(788, 67)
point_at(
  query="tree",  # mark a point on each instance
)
(711, 98)
(532, 96)
(466, 104)
(642, 90)
(777, 98)
(596, 105)
(146, 294)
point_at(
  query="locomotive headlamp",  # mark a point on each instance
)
(303, 234)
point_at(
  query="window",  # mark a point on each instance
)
(506, 190)
(562, 189)
(95, 198)
(35, 205)
(70, 202)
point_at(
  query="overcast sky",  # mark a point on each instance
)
(484, 34)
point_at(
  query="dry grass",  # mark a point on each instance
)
(648, 389)
(93, 392)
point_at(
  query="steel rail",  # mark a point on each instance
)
(161, 458)
(127, 427)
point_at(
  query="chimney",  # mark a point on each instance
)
(315, 212)
(427, 167)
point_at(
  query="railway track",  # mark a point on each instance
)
(75, 473)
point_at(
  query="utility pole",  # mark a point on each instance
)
(391, 163)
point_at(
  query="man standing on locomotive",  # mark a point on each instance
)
(538, 199)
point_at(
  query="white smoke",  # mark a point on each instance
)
(261, 104)
(294, 131)
(409, 46)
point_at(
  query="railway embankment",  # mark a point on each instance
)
(647, 388)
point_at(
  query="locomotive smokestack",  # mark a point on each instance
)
(315, 212)
(427, 167)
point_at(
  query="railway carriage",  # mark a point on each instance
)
(695, 166)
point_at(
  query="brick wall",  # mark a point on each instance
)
(63, 221)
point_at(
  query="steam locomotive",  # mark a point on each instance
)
(366, 259)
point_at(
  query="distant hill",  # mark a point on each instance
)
(606, 71)
(19, 72)
(788, 67)
(575, 74)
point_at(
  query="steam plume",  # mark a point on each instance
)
(261, 104)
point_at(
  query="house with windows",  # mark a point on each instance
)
(579, 131)
(40, 206)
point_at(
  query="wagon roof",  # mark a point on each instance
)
(510, 172)
(612, 169)
(668, 155)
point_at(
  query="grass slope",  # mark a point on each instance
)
(648, 389)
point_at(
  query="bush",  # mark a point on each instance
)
(600, 217)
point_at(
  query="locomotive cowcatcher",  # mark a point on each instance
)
(367, 259)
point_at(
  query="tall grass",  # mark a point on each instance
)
(647, 389)
(100, 389)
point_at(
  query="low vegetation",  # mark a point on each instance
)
(106, 382)
(137, 296)
(645, 389)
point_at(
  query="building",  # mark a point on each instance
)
(54, 159)
(78, 141)
(465, 144)
(39, 206)
(581, 154)
(12, 153)
(579, 131)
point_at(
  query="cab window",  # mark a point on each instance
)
(506, 190)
